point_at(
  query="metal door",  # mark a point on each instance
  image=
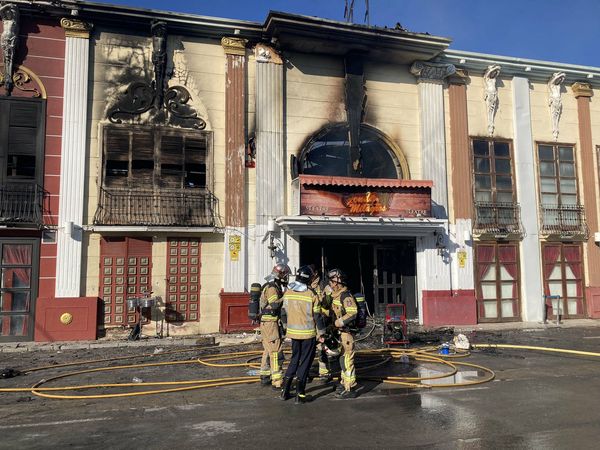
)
(19, 264)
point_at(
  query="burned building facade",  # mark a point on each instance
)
(198, 152)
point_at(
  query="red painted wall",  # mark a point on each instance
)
(449, 308)
(42, 51)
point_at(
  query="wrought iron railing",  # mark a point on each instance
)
(21, 204)
(159, 207)
(563, 220)
(498, 218)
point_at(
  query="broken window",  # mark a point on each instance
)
(147, 157)
(328, 153)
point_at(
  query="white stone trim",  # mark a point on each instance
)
(73, 168)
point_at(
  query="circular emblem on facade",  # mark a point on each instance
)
(66, 318)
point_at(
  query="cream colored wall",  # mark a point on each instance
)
(393, 108)
(315, 98)
(114, 56)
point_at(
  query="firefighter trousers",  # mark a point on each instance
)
(272, 356)
(303, 354)
(348, 374)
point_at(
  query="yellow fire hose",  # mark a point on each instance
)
(428, 355)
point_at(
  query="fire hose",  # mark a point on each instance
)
(381, 356)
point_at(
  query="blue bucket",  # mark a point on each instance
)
(445, 350)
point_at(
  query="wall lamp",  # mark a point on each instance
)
(272, 228)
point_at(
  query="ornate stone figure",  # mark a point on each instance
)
(9, 41)
(491, 94)
(554, 100)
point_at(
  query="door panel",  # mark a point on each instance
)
(394, 277)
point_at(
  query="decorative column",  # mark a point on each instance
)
(430, 78)
(235, 258)
(433, 256)
(583, 93)
(73, 158)
(532, 288)
(270, 156)
(462, 189)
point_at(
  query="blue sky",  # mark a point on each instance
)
(552, 30)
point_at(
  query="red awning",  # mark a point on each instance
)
(320, 180)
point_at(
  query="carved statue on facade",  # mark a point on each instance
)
(491, 94)
(554, 100)
(9, 41)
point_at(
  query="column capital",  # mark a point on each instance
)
(459, 77)
(234, 46)
(581, 89)
(431, 72)
(76, 28)
(266, 54)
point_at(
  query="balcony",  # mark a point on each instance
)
(158, 207)
(21, 204)
(498, 220)
(563, 221)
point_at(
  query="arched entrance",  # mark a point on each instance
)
(383, 267)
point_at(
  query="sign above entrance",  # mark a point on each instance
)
(337, 196)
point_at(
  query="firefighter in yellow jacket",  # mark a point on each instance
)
(344, 310)
(322, 289)
(302, 315)
(270, 309)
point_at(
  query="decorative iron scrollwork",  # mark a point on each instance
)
(141, 97)
(137, 99)
(176, 100)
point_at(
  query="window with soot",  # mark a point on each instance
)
(155, 157)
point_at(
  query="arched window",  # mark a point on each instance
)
(328, 153)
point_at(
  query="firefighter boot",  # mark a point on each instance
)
(301, 397)
(285, 388)
(265, 380)
(347, 394)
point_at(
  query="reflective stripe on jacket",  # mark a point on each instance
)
(301, 308)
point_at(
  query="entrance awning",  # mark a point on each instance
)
(359, 226)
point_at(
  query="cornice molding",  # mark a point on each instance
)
(76, 28)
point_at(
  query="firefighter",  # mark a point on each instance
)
(302, 310)
(270, 309)
(344, 311)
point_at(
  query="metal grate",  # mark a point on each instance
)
(160, 207)
(21, 203)
(564, 220)
(497, 218)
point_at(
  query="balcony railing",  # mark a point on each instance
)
(498, 219)
(563, 220)
(21, 204)
(159, 207)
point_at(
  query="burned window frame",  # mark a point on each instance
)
(154, 137)
(393, 150)
(493, 174)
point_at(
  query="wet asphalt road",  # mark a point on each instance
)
(536, 401)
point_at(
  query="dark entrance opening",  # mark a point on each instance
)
(384, 270)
